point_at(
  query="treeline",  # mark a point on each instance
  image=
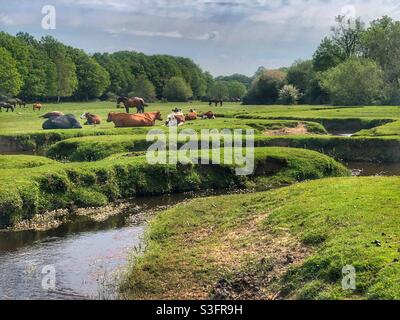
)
(355, 65)
(46, 69)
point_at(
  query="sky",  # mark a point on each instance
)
(222, 36)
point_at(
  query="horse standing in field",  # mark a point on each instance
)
(92, 119)
(20, 103)
(37, 106)
(6, 105)
(125, 120)
(135, 102)
(216, 102)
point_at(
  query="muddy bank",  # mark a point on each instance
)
(362, 149)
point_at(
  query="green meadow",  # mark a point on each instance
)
(301, 219)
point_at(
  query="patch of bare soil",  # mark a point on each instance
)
(300, 129)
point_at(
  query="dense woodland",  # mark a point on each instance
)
(354, 65)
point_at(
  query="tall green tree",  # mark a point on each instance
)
(236, 90)
(93, 79)
(177, 90)
(357, 81)
(144, 88)
(381, 43)
(265, 88)
(10, 79)
(219, 91)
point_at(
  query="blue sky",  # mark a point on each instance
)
(222, 36)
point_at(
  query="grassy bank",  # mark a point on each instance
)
(29, 191)
(289, 243)
(363, 148)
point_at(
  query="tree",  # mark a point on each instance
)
(65, 68)
(347, 36)
(357, 81)
(303, 76)
(265, 88)
(289, 95)
(93, 80)
(236, 89)
(382, 44)
(345, 42)
(236, 77)
(176, 89)
(10, 79)
(219, 91)
(145, 89)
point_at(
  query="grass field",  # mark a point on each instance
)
(290, 243)
(286, 243)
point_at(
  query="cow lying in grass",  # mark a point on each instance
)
(62, 122)
(126, 120)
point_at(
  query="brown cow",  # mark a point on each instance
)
(92, 119)
(125, 120)
(208, 115)
(192, 115)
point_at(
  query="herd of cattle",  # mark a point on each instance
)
(59, 120)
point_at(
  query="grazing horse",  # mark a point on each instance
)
(216, 102)
(135, 102)
(62, 122)
(20, 103)
(92, 119)
(37, 106)
(192, 115)
(6, 105)
(52, 114)
(125, 120)
(208, 115)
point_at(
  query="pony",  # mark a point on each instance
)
(192, 115)
(37, 106)
(62, 122)
(6, 105)
(135, 102)
(125, 120)
(216, 102)
(20, 103)
(92, 119)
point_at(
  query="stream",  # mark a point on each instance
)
(88, 256)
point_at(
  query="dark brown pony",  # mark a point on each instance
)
(125, 120)
(135, 102)
(7, 106)
(92, 119)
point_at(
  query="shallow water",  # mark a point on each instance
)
(86, 255)
(364, 169)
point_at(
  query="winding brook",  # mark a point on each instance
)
(89, 255)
